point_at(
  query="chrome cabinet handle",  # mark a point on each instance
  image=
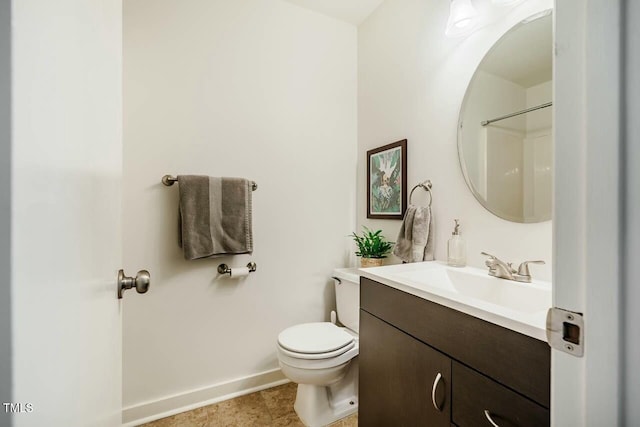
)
(488, 415)
(433, 392)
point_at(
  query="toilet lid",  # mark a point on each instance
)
(314, 338)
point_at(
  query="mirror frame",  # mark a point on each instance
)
(463, 166)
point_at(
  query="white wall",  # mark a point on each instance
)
(411, 82)
(261, 89)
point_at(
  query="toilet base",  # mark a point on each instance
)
(319, 406)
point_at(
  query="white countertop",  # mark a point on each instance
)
(521, 307)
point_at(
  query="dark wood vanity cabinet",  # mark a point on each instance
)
(473, 394)
(424, 364)
(400, 371)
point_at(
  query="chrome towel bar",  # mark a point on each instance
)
(169, 180)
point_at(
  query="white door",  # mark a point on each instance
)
(588, 210)
(66, 212)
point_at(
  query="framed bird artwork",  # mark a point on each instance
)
(387, 181)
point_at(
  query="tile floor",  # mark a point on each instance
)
(271, 407)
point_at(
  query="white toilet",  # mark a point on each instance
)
(323, 358)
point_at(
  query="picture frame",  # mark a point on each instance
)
(387, 181)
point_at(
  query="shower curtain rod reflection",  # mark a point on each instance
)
(169, 180)
(528, 110)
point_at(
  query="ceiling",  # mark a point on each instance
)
(352, 11)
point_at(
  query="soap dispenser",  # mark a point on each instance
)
(456, 248)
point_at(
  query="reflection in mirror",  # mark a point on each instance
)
(505, 130)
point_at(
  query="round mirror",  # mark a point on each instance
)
(505, 138)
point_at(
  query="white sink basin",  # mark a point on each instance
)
(517, 306)
(527, 298)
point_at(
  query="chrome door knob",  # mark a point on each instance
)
(141, 282)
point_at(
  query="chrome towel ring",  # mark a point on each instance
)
(426, 185)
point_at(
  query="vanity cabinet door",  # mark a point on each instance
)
(397, 377)
(477, 398)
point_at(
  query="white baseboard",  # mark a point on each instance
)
(165, 407)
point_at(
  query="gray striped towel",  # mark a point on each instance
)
(215, 216)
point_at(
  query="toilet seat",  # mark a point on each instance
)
(317, 356)
(329, 362)
(318, 340)
(320, 345)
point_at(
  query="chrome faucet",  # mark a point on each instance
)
(499, 268)
(523, 274)
(504, 270)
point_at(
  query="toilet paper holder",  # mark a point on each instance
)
(225, 269)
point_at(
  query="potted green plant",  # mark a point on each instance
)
(372, 247)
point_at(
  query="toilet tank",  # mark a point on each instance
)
(347, 285)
